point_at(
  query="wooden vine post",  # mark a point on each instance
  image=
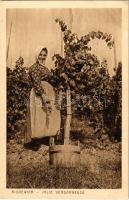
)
(68, 118)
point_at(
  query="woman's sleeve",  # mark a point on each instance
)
(36, 80)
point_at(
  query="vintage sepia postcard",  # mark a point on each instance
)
(64, 99)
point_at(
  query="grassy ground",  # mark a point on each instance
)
(100, 167)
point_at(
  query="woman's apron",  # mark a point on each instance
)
(39, 123)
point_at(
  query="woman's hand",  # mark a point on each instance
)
(48, 108)
(46, 104)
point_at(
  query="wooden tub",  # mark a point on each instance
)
(64, 155)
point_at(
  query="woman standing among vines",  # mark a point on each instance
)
(41, 109)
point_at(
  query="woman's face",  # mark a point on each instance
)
(42, 56)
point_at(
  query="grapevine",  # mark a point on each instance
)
(95, 94)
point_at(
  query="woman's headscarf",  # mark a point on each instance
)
(37, 52)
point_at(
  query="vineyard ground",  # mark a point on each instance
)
(100, 166)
